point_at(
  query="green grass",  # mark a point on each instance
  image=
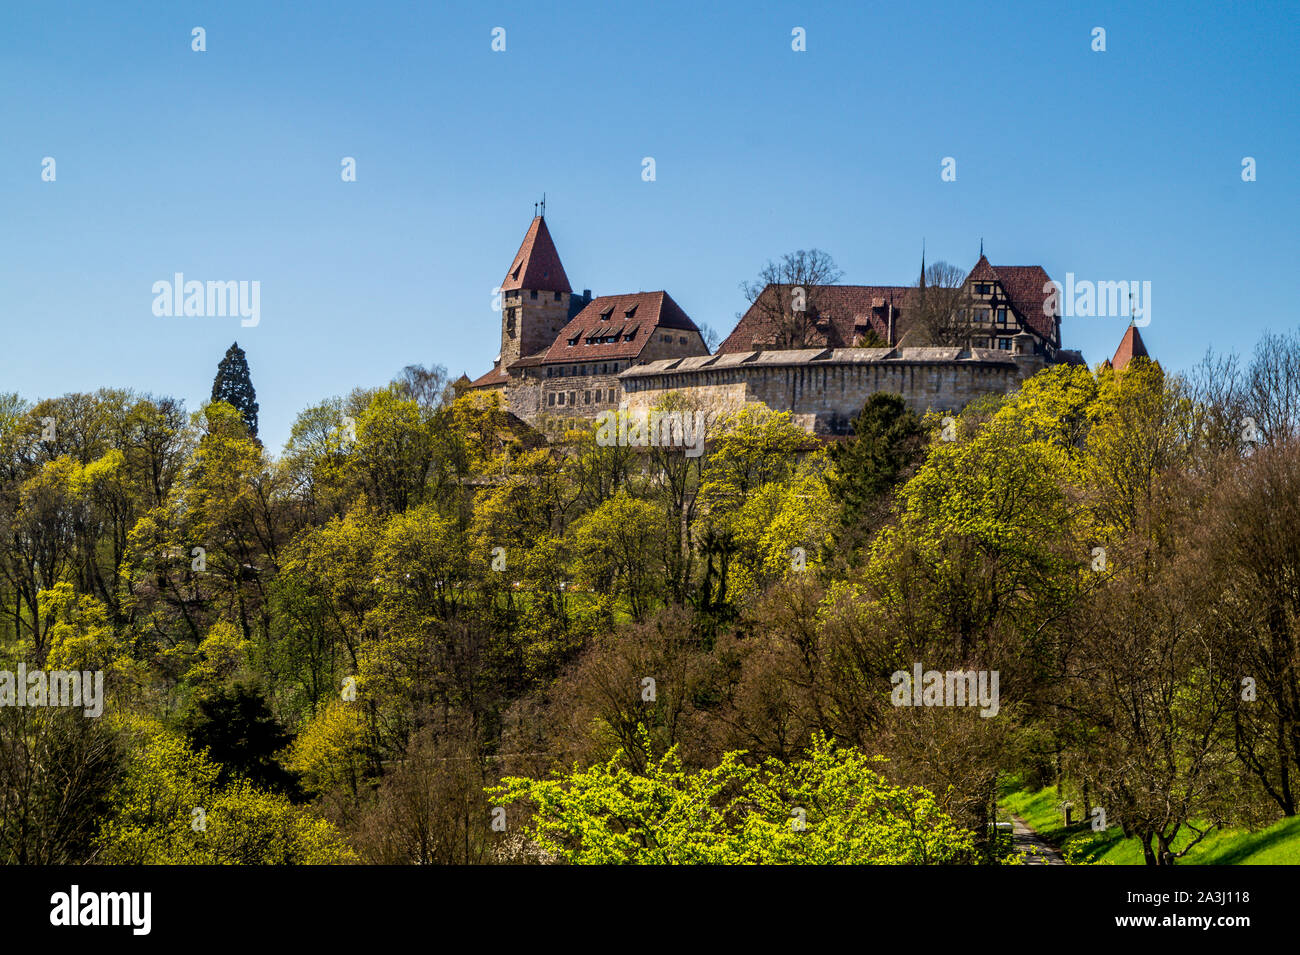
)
(1279, 844)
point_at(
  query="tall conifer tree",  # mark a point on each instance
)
(234, 386)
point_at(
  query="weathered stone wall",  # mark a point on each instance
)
(536, 322)
(824, 395)
(823, 390)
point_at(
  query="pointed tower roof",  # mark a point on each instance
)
(983, 272)
(537, 265)
(1130, 347)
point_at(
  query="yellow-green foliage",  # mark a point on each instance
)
(154, 820)
(328, 749)
(830, 808)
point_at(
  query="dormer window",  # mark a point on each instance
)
(604, 316)
(630, 312)
(573, 341)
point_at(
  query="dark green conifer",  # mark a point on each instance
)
(234, 386)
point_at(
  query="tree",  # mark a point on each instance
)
(886, 441)
(940, 307)
(56, 770)
(234, 386)
(171, 809)
(236, 728)
(830, 808)
(787, 293)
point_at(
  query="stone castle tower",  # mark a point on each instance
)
(536, 299)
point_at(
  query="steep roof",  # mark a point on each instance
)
(536, 265)
(1130, 346)
(616, 317)
(838, 315)
(1025, 286)
(983, 272)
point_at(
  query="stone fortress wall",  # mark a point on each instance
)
(825, 389)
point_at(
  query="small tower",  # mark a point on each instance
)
(1130, 346)
(535, 296)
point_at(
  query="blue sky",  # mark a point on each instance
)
(224, 165)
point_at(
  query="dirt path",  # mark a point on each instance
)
(1029, 845)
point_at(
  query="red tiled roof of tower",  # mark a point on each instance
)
(1131, 346)
(839, 315)
(1024, 285)
(639, 314)
(536, 265)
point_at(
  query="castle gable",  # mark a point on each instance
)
(1027, 289)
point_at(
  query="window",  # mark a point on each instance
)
(561, 397)
(572, 395)
(586, 397)
(681, 339)
(983, 288)
(604, 316)
(1002, 316)
(628, 338)
(573, 341)
(981, 314)
(666, 338)
(550, 399)
(1004, 344)
(980, 342)
(597, 396)
(557, 296)
(533, 294)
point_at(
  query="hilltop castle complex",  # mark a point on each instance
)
(565, 355)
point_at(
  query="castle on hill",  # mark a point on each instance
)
(566, 355)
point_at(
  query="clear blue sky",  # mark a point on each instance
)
(225, 165)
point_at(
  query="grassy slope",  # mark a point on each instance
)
(1279, 844)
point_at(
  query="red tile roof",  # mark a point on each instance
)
(537, 264)
(640, 314)
(1024, 285)
(1131, 346)
(496, 377)
(983, 272)
(838, 315)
